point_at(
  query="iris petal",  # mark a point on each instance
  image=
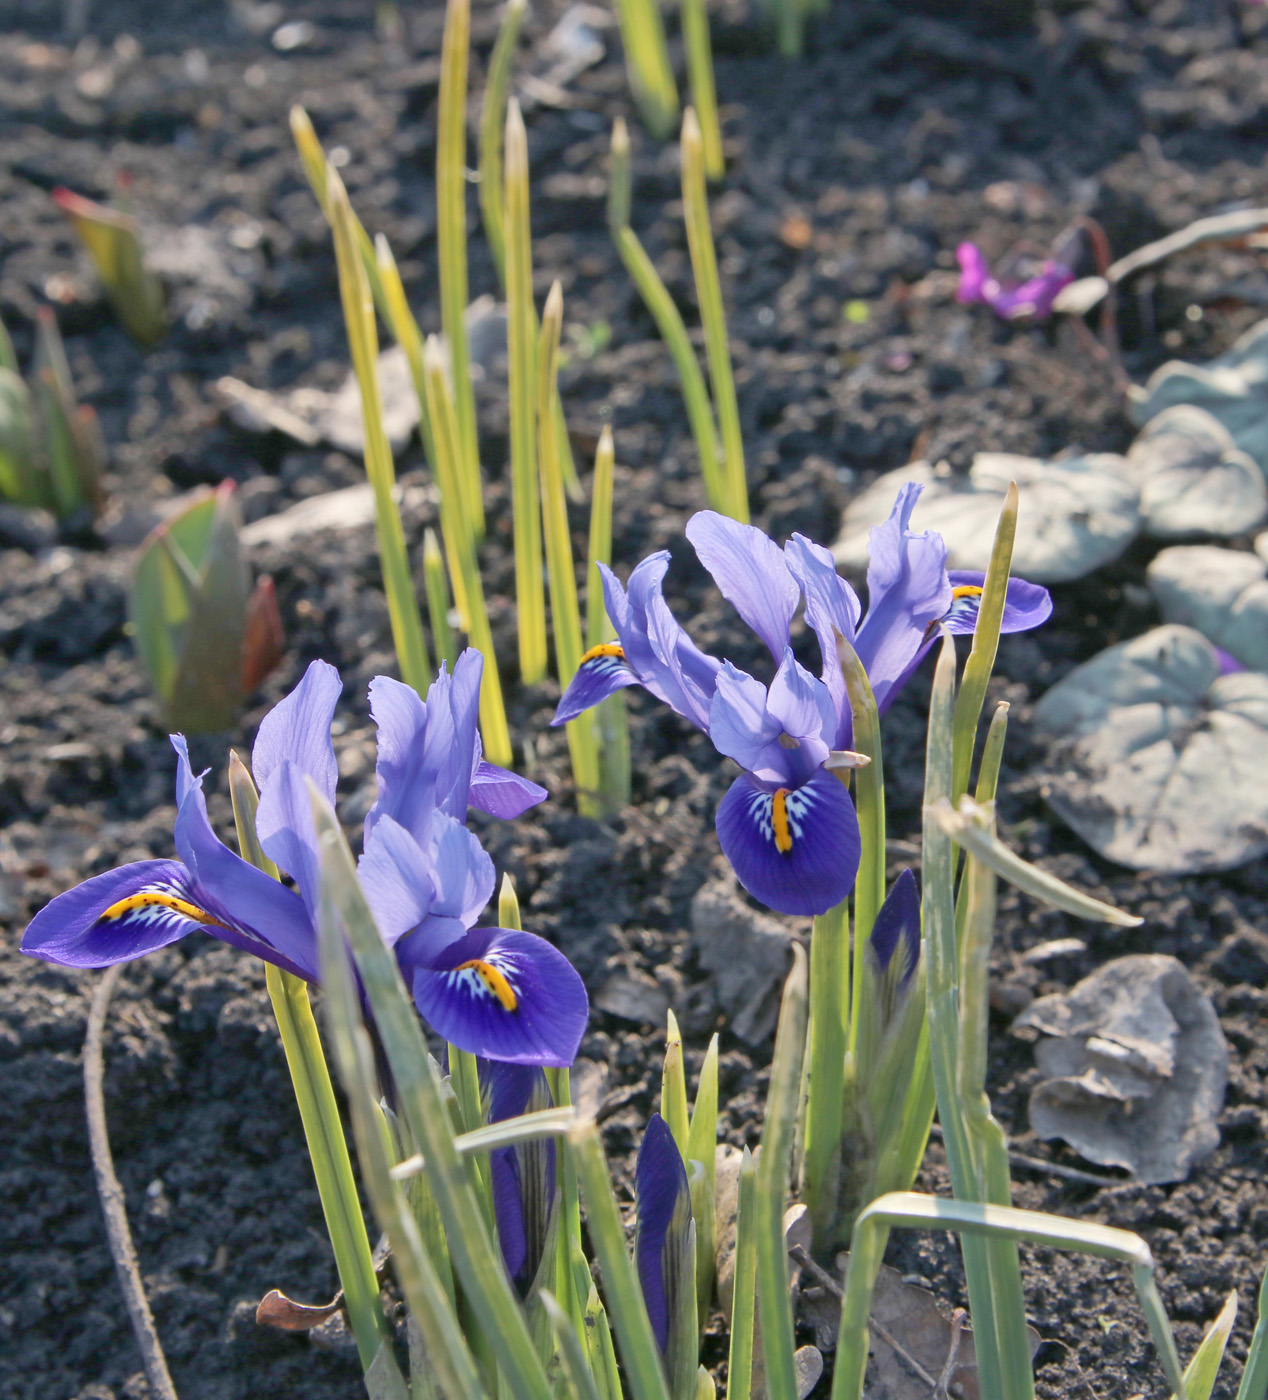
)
(502, 793)
(751, 572)
(1026, 605)
(70, 930)
(298, 729)
(907, 590)
(502, 995)
(288, 835)
(271, 920)
(663, 1207)
(603, 671)
(412, 738)
(832, 607)
(800, 857)
(394, 876)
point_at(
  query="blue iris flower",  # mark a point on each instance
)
(787, 824)
(498, 993)
(522, 1178)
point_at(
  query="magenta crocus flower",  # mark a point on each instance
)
(495, 992)
(1012, 301)
(787, 824)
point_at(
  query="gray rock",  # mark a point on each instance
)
(1076, 513)
(1233, 388)
(633, 996)
(1193, 478)
(348, 509)
(747, 954)
(27, 527)
(1160, 762)
(1221, 592)
(1136, 1066)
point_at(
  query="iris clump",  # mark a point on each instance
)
(495, 992)
(787, 825)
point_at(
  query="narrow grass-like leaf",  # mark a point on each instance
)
(1200, 1374)
(704, 265)
(966, 831)
(825, 1064)
(476, 1258)
(910, 1209)
(572, 1357)
(988, 1142)
(599, 1347)
(985, 645)
(668, 320)
(1254, 1384)
(521, 331)
(430, 1305)
(639, 1352)
(695, 33)
(773, 1296)
(459, 545)
(609, 719)
(647, 67)
(451, 245)
(942, 972)
(702, 1147)
(318, 1111)
(546, 1122)
(436, 586)
(492, 123)
(673, 1086)
(363, 341)
(740, 1357)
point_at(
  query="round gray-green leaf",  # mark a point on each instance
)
(1193, 478)
(1233, 387)
(1076, 514)
(1221, 592)
(1158, 761)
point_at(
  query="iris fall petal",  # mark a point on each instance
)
(795, 850)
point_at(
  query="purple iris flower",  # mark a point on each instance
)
(663, 1235)
(522, 1177)
(497, 993)
(1011, 301)
(787, 824)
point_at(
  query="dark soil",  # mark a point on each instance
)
(898, 135)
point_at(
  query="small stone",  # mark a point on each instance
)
(747, 955)
(27, 527)
(632, 997)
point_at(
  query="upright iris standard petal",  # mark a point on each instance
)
(907, 591)
(522, 1177)
(500, 994)
(118, 916)
(298, 729)
(796, 850)
(1026, 605)
(662, 1235)
(287, 832)
(740, 726)
(413, 738)
(832, 609)
(602, 672)
(502, 793)
(751, 573)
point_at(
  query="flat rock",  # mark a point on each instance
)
(1223, 593)
(1232, 387)
(347, 509)
(1192, 477)
(747, 954)
(1159, 761)
(1076, 513)
(1135, 1068)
